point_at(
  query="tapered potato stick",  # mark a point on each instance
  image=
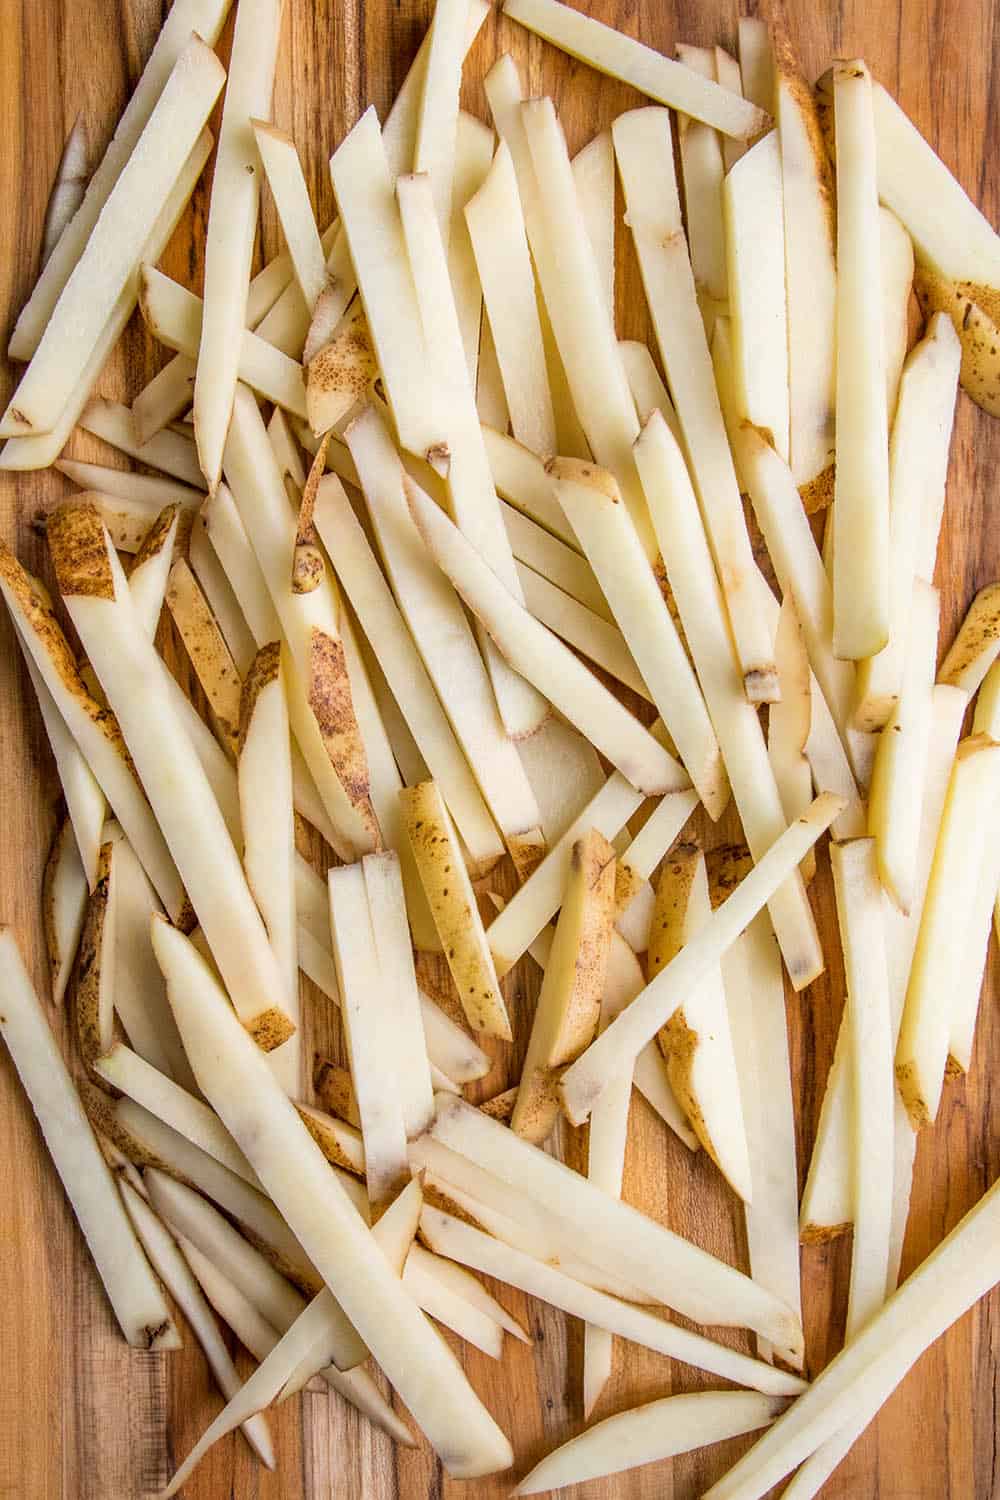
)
(471, 492)
(127, 220)
(134, 1293)
(167, 451)
(789, 722)
(437, 115)
(291, 199)
(166, 396)
(569, 1002)
(339, 1142)
(176, 317)
(584, 1082)
(975, 647)
(644, 150)
(64, 906)
(499, 241)
(755, 260)
(592, 503)
(441, 1303)
(291, 1165)
(95, 989)
(180, 1281)
(68, 188)
(520, 478)
(861, 562)
(221, 596)
(594, 176)
(451, 1047)
(622, 57)
(689, 568)
(91, 581)
(539, 655)
(207, 650)
(861, 1378)
(148, 488)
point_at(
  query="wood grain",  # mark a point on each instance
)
(82, 1416)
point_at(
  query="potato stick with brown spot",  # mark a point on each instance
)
(206, 647)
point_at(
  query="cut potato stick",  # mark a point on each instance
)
(339, 1142)
(861, 522)
(150, 574)
(97, 598)
(590, 634)
(365, 997)
(207, 650)
(134, 1293)
(558, 563)
(644, 150)
(648, 391)
(565, 773)
(696, 1040)
(594, 175)
(755, 261)
(894, 804)
(165, 398)
(452, 1049)
(440, 1302)
(569, 1002)
(68, 189)
(636, 866)
(127, 220)
(592, 503)
(167, 451)
(434, 143)
(861, 1378)
(702, 609)
(703, 172)
(64, 906)
(473, 155)
(977, 644)
(180, 1281)
(543, 659)
(756, 62)
(918, 467)
(85, 800)
(175, 316)
(221, 596)
(95, 987)
(661, 1429)
(291, 199)
(869, 1043)
(470, 1289)
(620, 56)
(341, 371)
(453, 906)
(232, 222)
(496, 227)
(290, 324)
(491, 400)
(585, 1080)
(897, 285)
(148, 488)
(237, 1082)
(789, 722)
(727, 73)
(520, 478)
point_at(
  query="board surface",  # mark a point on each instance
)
(81, 1416)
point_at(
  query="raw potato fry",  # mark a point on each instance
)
(207, 651)
(97, 598)
(473, 499)
(588, 633)
(339, 1142)
(127, 220)
(221, 596)
(861, 484)
(150, 575)
(452, 1049)
(95, 988)
(499, 241)
(335, 1090)
(175, 316)
(661, 1263)
(473, 155)
(291, 199)
(756, 62)
(553, 559)
(894, 804)
(696, 1040)
(167, 451)
(622, 57)
(897, 285)
(292, 1167)
(975, 647)
(438, 112)
(340, 373)
(593, 505)
(542, 658)
(699, 597)
(755, 261)
(585, 1080)
(453, 906)
(648, 391)
(569, 1002)
(440, 1303)
(491, 401)
(644, 150)
(703, 171)
(119, 483)
(633, 894)
(520, 478)
(290, 324)
(365, 999)
(727, 73)
(789, 722)
(166, 396)
(64, 906)
(68, 189)
(85, 801)
(594, 175)
(661, 1429)
(179, 1280)
(861, 1378)
(138, 1303)
(565, 773)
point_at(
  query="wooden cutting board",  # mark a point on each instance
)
(81, 1416)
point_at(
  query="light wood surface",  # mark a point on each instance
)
(81, 1416)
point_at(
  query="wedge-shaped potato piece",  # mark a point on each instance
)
(180, 1281)
(861, 487)
(520, 477)
(918, 471)
(291, 199)
(134, 1293)
(453, 906)
(696, 1041)
(661, 1263)
(650, 1433)
(585, 1080)
(699, 597)
(207, 650)
(644, 149)
(540, 656)
(593, 505)
(238, 1083)
(440, 1302)
(863, 1376)
(64, 906)
(95, 989)
(166, 397)
(570, 1000)
(894, 804)
(126, 222)
(335, 1091)
(975, 647)
(168, 451)
(340, 373)
(620, 56)
(755, 261)
(85, 801)
(789, 722)
(633, 893)
(155, 491)
(150, 575)
(499, 240)
(221, 596)
(966, 825)
(339, 1142)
